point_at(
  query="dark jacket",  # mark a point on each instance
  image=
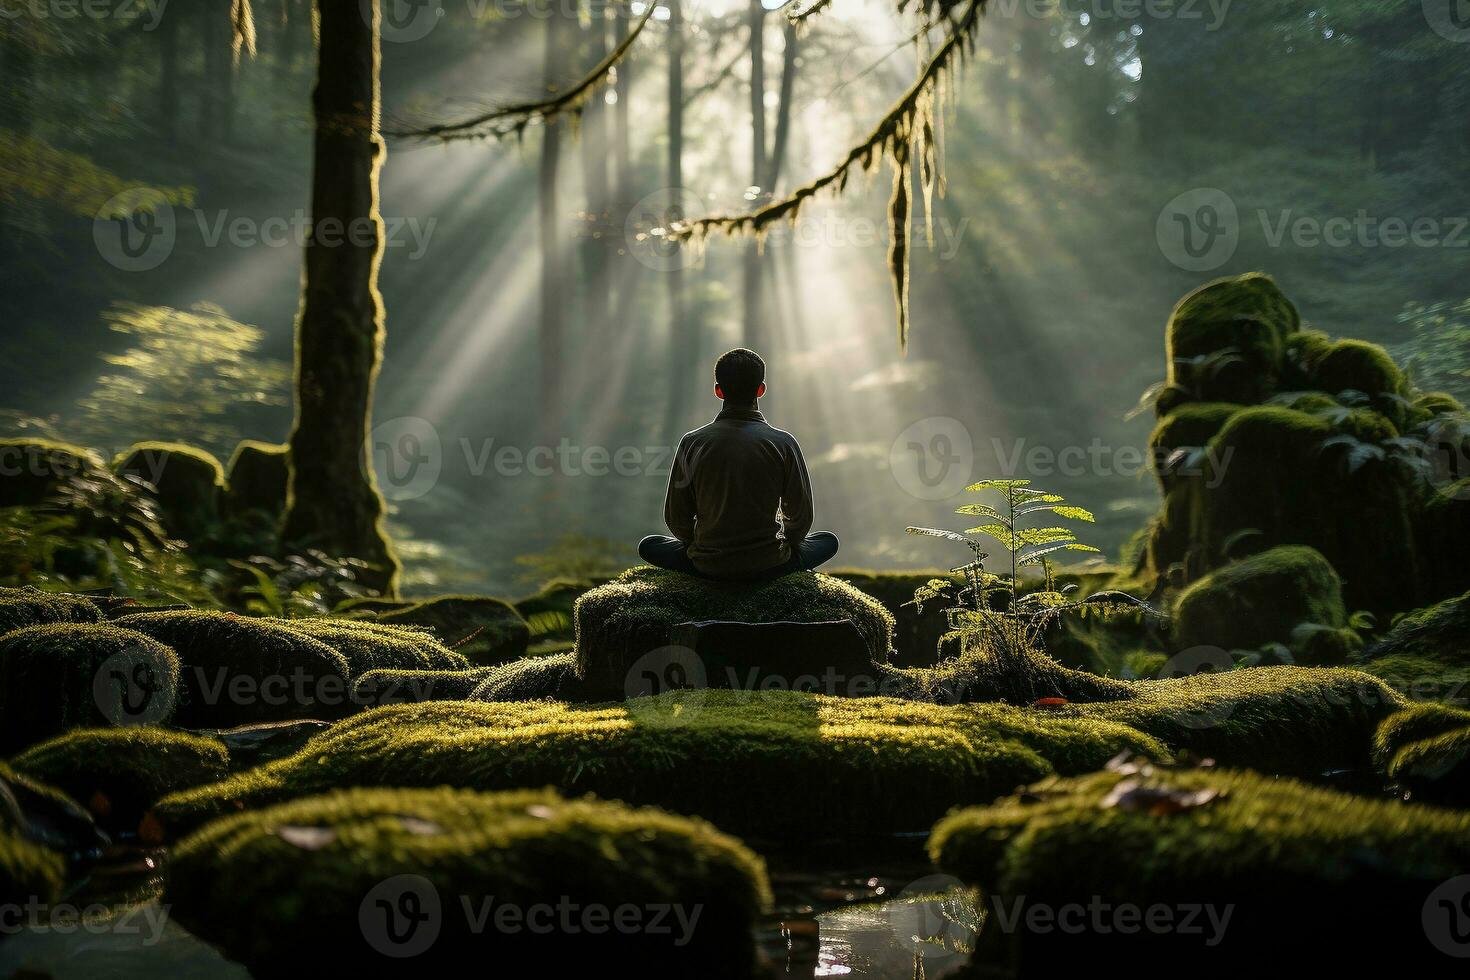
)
(729, 480)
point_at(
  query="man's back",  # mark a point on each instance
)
(729, 479)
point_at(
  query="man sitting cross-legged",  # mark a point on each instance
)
(739, 500)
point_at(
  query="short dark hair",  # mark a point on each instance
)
(739, 373)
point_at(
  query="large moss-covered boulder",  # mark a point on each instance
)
(1289, 595)
(483, 630)
(1359, 366)
(356, 879)
(636, 613)
(118, 773)
(368, 645)
(1427, 653)
(235, 670)
(1242, 855)
(187, 483)
(32, 470)
(1425, 750)
(379, 687)
(1180, 439)
(32, 607)
(535, 678)
(769, 764)
(73, 675)
(1249, 317)
(258, 476)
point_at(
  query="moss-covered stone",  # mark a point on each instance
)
(1178, 441)
(368, 645)
(1425, 750)
(188, 484)
(769, 763)
(634, 615)
(118, 773)
(334, 883)
(1357, 365)
(916, 633)
(379, 687)
(1438, 403)
(982, 665)
(29, 872)
(1248, 315)
(73, 675)
(535, 678)
(32, 607)
(32, 470)
(236, 670)
(1426, 654)
(1259, 600)
(258, 476)
(484, 630)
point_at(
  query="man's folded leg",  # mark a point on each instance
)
(663, 551)
(816, 549)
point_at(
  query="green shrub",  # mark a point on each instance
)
(1276, 851)
(375, 646)
(32, 607)
(1260, 600)
(634, 614)
(74, 675)
(118, 773)
(258, 476)
(32, 470)
(548, 613)
(188, 484)
(770, 764)
(239, 671)
(485, 631)
(379, 687)
(286, 890)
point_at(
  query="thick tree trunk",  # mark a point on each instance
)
(683, 346)
(783, 109)
(334, 502)
(553, 296)
(622, 134)
(597, 300)
(750, 261)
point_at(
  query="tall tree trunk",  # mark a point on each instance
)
(683, 345)
(783, 109)
(334, 502)
(750, 262)
(596, 299)
(549, 213)
(168, 80)
(623, 88)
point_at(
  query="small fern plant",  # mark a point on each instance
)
(1024, 616)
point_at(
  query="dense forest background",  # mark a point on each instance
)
(1077, 133)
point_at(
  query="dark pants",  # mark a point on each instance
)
(671, 553)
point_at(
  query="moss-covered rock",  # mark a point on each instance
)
(188, 484)
(484, 630)
(770, 764)
(32, 607)
(258, 476)
(352, 880)
(1357, 365)
(118, 773)
(1433, 403)
(1263, 852)
(916, 632)
(74, 675)
(369, 645)
(535, 678)
(633, 615)
(236, 670)
(981, 665)
(379, 687)
(1262, 599)
(1247, 315)
(32, 470)
(1178, 442)
(1426, 655)
(29, 872)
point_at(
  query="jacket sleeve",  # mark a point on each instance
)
(796, 497)
(679, 508)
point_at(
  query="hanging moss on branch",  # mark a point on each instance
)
(513, 119)
(910, 129)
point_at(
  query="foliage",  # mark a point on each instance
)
(1437, 353)
(312, 584)
(574, 556)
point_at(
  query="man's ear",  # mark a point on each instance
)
(761, 391)
(719, 392)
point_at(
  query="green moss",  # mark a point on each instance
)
(118, 773)
(485, 631)
(287, 885)
(377, 646)
(32, 607)
(632, 615)
(548, 612)
(1189, 427)
(1278, 851)
(533, 678)
(1438, 403)
(29, 872)
(1421, 677)
(916, 633)
(1246, 314)
(980, 665)
(188, 484)
(1426, 750)
(1357, 365)
(1144, 664)
(258, 476)
(71, 675)
(1260, 600)
(238, 671)
(1303, 350)
(1427, 653)
(379, 687)
(770, 763)
(31, 470)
